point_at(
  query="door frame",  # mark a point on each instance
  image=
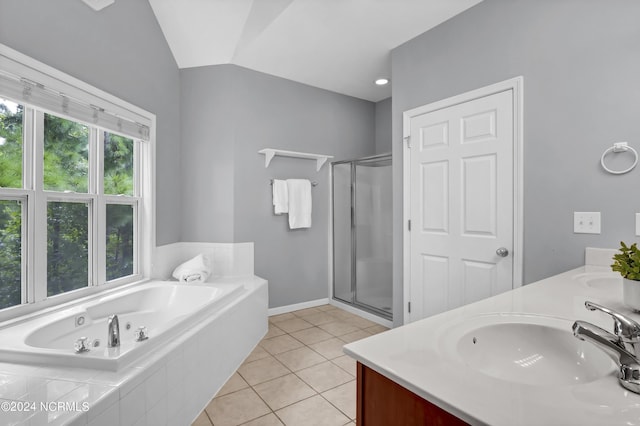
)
(516, 86)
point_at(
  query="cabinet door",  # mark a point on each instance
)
(382, 402)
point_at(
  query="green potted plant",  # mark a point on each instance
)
(627, 263)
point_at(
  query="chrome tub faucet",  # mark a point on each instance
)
(623, 344)
(113, 336)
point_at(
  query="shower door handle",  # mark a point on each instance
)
(502, 252)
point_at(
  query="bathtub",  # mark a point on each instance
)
(166, 309)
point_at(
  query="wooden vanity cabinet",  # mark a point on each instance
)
(383, 402)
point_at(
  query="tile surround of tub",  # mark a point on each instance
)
(297, 377)
(227, 259)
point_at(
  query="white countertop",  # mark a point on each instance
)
(419, 357)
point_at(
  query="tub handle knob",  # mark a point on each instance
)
(81, 345)
(141, 333)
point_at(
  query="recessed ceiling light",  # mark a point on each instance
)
(382, 81)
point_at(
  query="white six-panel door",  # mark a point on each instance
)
(461, 204)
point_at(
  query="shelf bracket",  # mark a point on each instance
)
(320, 162)
(268, 156)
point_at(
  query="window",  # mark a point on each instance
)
(11, 212)
(11, 114)
(67, 247)
(76, 207)
(66, 155)
(10, 253)
(120, 240)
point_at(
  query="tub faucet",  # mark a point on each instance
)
(113, 336)
(622, 344)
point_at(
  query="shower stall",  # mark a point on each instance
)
(362, 233)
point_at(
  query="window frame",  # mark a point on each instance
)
(34, 198)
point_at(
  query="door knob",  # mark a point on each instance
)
(502, 252)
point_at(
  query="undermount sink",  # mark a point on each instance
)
(528, 349)
(600, 280)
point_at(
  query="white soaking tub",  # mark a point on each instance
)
(166, 309)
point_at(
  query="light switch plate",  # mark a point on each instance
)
(637, 224)
(586, 222)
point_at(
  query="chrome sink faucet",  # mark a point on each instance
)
(113, 336)
(626, 329)
(623, 344)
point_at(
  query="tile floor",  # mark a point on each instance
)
(297, 375)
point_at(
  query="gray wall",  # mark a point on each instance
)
(120, 50)
(580, 61)
(239, 112)
(384, 133)
(208, 104)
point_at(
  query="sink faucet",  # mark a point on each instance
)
(113, 336)
(626, 329)
(623, 345)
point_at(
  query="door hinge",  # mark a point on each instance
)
(408, 141)
(409, 307)
(409, 224)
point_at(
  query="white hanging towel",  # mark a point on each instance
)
(280, 196)
(299, 203)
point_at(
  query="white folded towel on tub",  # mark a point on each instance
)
(280, 196)
(193, 270)
(299, 203)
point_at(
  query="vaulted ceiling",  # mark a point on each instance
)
(338, 45)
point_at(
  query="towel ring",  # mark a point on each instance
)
(620, 147)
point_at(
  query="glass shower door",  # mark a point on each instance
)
(362, 234)
(342, 288)
(373, 234)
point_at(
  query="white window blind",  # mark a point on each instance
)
(32, 87)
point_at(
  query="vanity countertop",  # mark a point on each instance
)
(421, 357)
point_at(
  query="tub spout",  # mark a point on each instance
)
(113, 337)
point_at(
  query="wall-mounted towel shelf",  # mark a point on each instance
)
(269, 153)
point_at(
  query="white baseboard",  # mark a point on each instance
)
(297, 306)
(363, 314)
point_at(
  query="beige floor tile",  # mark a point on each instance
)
(262, 370)
(338, 328)
(344, 315)
(360, 322)
(300, 358)
(283, 350)
(315, 411)
(268, 420)
(329, 349)
(294, 324)
(235, 383)
(258, 353)
(320, 318)
(325, 376)
(376, 329)
(308, 311)
(311, 335)
(281, 317)
(343, 397)
(326, 308)
(274, 331)
(347, 363)
(236, 408)
(356, 335)
(283, 391)
(277, 345)
(202, 420)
